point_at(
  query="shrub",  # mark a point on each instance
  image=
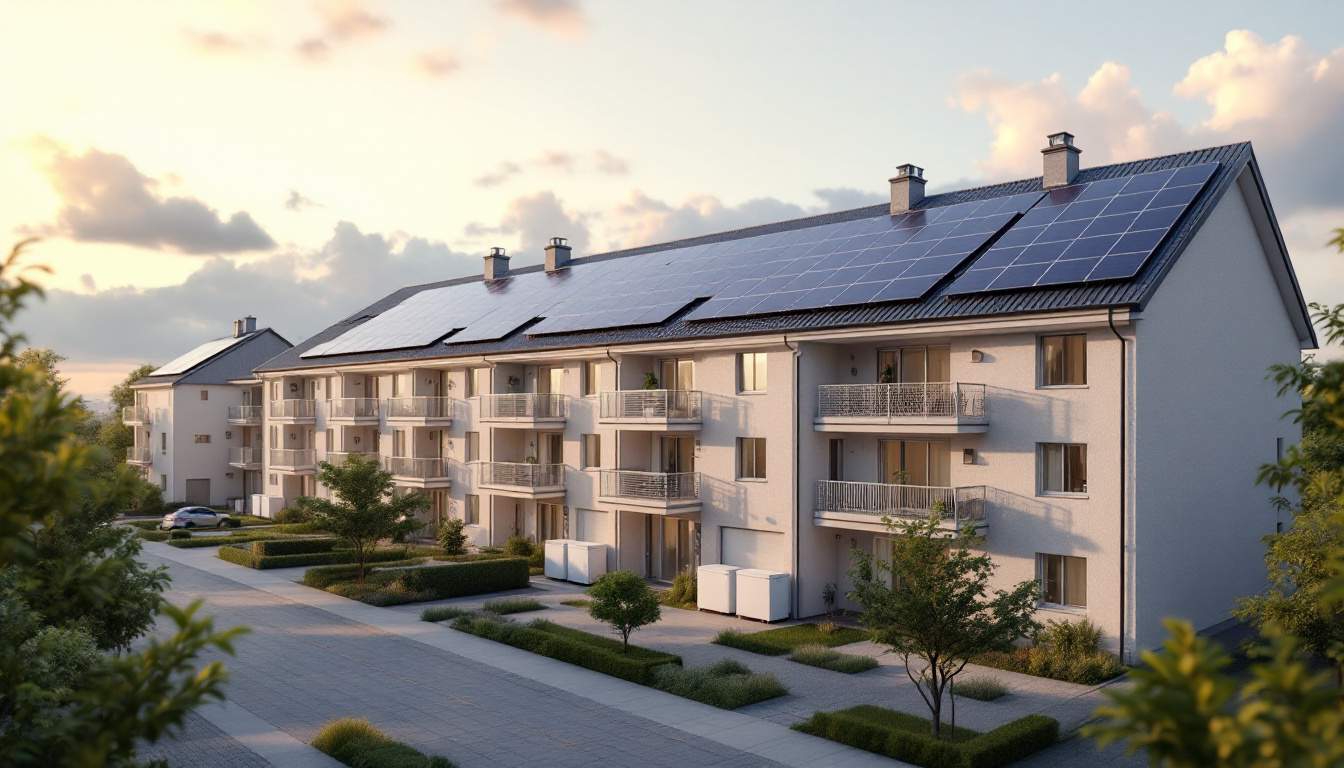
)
(782, 640)
(443, 613)
(360, 745)
(623, 600)
(1064, 650)
(979, 688)
(1011, 742)
(577, 603)
(261, 548)
(518, 546)
(323, 576)
(537, 560)
(906, 737)
(727, 684)
(572, 646)
(471, 557)
(296, 528)
(196, 542)
(292, 515)
(149, 535)
(820, 656)
(177, 533)
(512, 605)
(264, 562)
(452, 538)
(683, 591)
(433, 582)
(233, 522)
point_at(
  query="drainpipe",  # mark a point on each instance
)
(797, 468)
(1124, 478)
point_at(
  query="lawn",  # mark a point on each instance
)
(829, 658)
(507, 605)
(782, 640)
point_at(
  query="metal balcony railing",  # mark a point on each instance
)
(293, 457)
(244, 455)
(419, 407)
(633, 484)
(525, 405)
(139, 454)
(913, 501)
(681, 404)
(293, 409)
(352, 408)
(421, 468)
(244, 413)
(964, 402)
(135, 414)
(522, 475)
(338, 458)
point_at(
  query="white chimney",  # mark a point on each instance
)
(557, 254)
(1061, 160)
(237, 328)
(496, 264)
(907, 188)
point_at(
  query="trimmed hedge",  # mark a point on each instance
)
(397, 586)
(261, 548)
(245, 556)
(323, 576)
(151, 535)
(219, 540)
(906, 737)
(573, 646)
(179, 533)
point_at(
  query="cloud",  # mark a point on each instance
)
(610, 164)
(438, 63)
(343, 21)
(531, 221)
(105, 199)
(216, 42)
(87, 282)
(561, 17)
(599, 161)
(297, 201)
(556, 160)
(502, 173)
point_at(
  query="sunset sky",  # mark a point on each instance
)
(188, 163)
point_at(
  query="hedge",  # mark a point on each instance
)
(323, 576)
(261, 548)
(245, 556)
(218, 540)
(460, 579)
(906, 737)
(599, 654)
(357, 743)
(149, 535)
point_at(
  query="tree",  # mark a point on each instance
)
(70, 587)
(363, 510)
(930, 604)
(47, 362)
(623, 600)
(452, 538)
(113, 435)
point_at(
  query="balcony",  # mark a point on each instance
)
(140, 455)
(946, 408)
(339, 458)
(652, 409)
(245, 458)
(527, 409)
(666, 493)
(135, 414)
(418, 472)
(420, 411)
(352, 410)
(524, 480)
(293, 411)
(244, 415)
(293, 461)
(862, 506)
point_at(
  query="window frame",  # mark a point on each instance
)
(586, 457)
(758, 464)
(591, 378)
(1041, 367)
(1065, 591)
(471, 451)
(759, 371)
(471, 509)
(1042, 470)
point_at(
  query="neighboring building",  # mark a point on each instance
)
(1075, 364)
(197, 418)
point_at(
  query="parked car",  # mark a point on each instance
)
(197, 517)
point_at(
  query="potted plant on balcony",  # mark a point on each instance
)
(888, 375)
(650, 383)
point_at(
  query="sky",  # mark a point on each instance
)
(188, 163)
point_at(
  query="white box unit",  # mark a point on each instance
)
(762, 595)
(587, 561)
(557, 561)
(716, 588)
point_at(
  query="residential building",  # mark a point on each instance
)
(1073, 364)
(197, 419)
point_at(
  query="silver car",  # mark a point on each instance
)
(195, 517)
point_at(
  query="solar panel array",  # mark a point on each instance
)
(1101, 230)
(196, 356)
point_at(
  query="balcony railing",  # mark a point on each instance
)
(419, 407)
(523, 475)
(135, 414)
(525, 405)
(956, 505)
(139, 454)
(683, 404)
(352, 408)
(244, 413)
(244, 455)
(293, 409)
(951, 400)
(293, 457)
(338, 458)
(421, 468)
(667, 486)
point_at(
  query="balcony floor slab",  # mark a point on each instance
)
(878, 425)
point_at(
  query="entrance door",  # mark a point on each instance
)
(675, 549)
(836, 449)
(550, 522)
(552, 448)
(914, 365)
(551, 380)
(198, 492)
(676, 454)
(676, 373)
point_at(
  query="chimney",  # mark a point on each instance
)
(907, 188)
(1061, 160)
(496, 264)
(557, 254)
(237, 328)
(249, 324)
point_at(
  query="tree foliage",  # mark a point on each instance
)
(625, 601)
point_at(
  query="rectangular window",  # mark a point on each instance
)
(473, 446)
(275, 436)
(751, 457)
(205, 394)
(1064, 360)
(751, 372)
(590, 380)
(163, 442)
(592, 451)
(1063, 580)
(471, 382)
(471, 512)
(331, 440)
(163, 482)
(399, 443)
(275, 479)
(202, 438)
(1063, 467)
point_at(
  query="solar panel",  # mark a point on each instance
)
(196, 356)
(1100, 230)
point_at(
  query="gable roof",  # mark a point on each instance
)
(235, 361)
(937, 305)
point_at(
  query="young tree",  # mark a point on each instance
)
(623, 600)
(363, 510)
(112, 434)
(930, 604)
(452, 538)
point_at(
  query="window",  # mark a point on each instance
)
(471, 512)
(590, 377)
(275, 479)
(163, 482)
(471, 382)
(1063, 580)
(163, 442)
(399, 443)
(592, 451)
(331, 440)
(1064, 360)
(1063, 467)
(205, 394)
(202, 439)
(751, 372)
(473, 446)
(275, 436)
(751, 457)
